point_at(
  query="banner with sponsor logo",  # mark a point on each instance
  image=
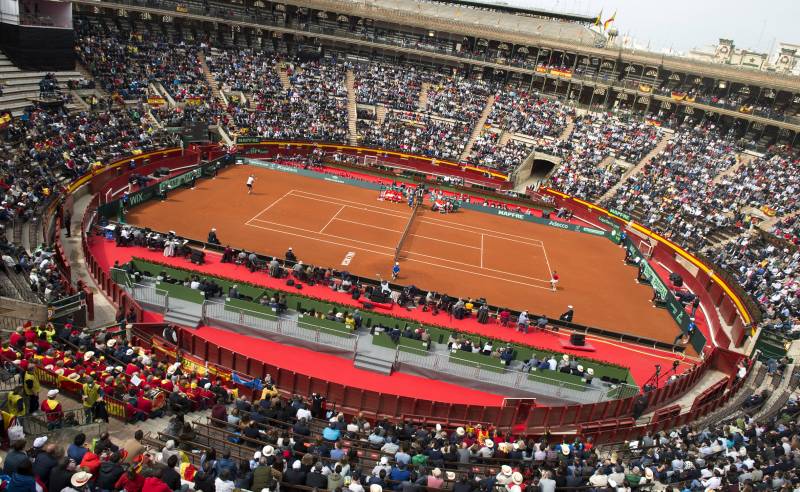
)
(165, 348)
(156, 101)
(673, 306)
(114, 208)
(196, 365)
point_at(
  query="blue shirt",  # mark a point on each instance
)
(76, 453)
(330, 434)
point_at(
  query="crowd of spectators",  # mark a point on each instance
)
(313, 108)
(768, 184)
(417, 134)
(262, 440)
(396, 87)
(487, 152)
(459, 98)
(770, 274)
(672, 192)
(529, 113)
(126, 63)
(251, 71)
(593, 138)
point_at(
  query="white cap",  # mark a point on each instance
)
(52, 393)
(39, 441)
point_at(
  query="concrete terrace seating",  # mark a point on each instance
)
(20, 87)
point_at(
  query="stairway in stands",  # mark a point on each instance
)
(374, 364)
(20, 87)
(352, 108)
(212, 82)
(741, 160)
(380, 114)
(478, 128)
(661, 145)
(567, 129)
(284, 76)
(607, 161)
(423, 96)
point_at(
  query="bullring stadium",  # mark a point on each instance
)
(411, 245)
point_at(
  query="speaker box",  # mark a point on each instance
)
(577, 339)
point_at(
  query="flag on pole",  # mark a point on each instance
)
(609, 21)
(597, 21)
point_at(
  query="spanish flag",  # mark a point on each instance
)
(609, 21)
(597, 21)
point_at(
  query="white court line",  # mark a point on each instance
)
(333, 218)
(392, 255)
(405, 217)
(473, 266)
(481, 250)
(410, 235)
(477, 230)
(323, 233)
(404, 251)
(269, 206)
(549, 270)
(320, 240)
(473, 272)
(345, 201)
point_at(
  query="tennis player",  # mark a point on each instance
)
(250, 180)
(395, 270)
(554, 280)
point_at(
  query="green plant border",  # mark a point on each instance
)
(306, 302)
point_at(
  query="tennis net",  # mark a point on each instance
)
(405, 231)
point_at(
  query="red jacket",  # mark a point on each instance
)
(153, 484)
(52, 410)
(129, 485)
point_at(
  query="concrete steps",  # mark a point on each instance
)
(423, 96)
(661, 145)
(505, 136)
(182, 318)
(607, 161)
(201, 57)
(352, 108)
(741, 160)
(478, 128)
(568, 129)
(380, 114)
(20, 87)
(374, 364)
(283, 75)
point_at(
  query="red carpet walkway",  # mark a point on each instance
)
(640, 360)
(337, 369)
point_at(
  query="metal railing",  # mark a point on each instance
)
(279, 325)
(512, 378)
(149, 294)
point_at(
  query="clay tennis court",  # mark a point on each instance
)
(466, 254)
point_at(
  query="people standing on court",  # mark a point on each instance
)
(554, 280)
(568, 315)
(395, 270)
(250, 180)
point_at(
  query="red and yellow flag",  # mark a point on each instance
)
(609, 21)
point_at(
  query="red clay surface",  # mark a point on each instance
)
(468, 254)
